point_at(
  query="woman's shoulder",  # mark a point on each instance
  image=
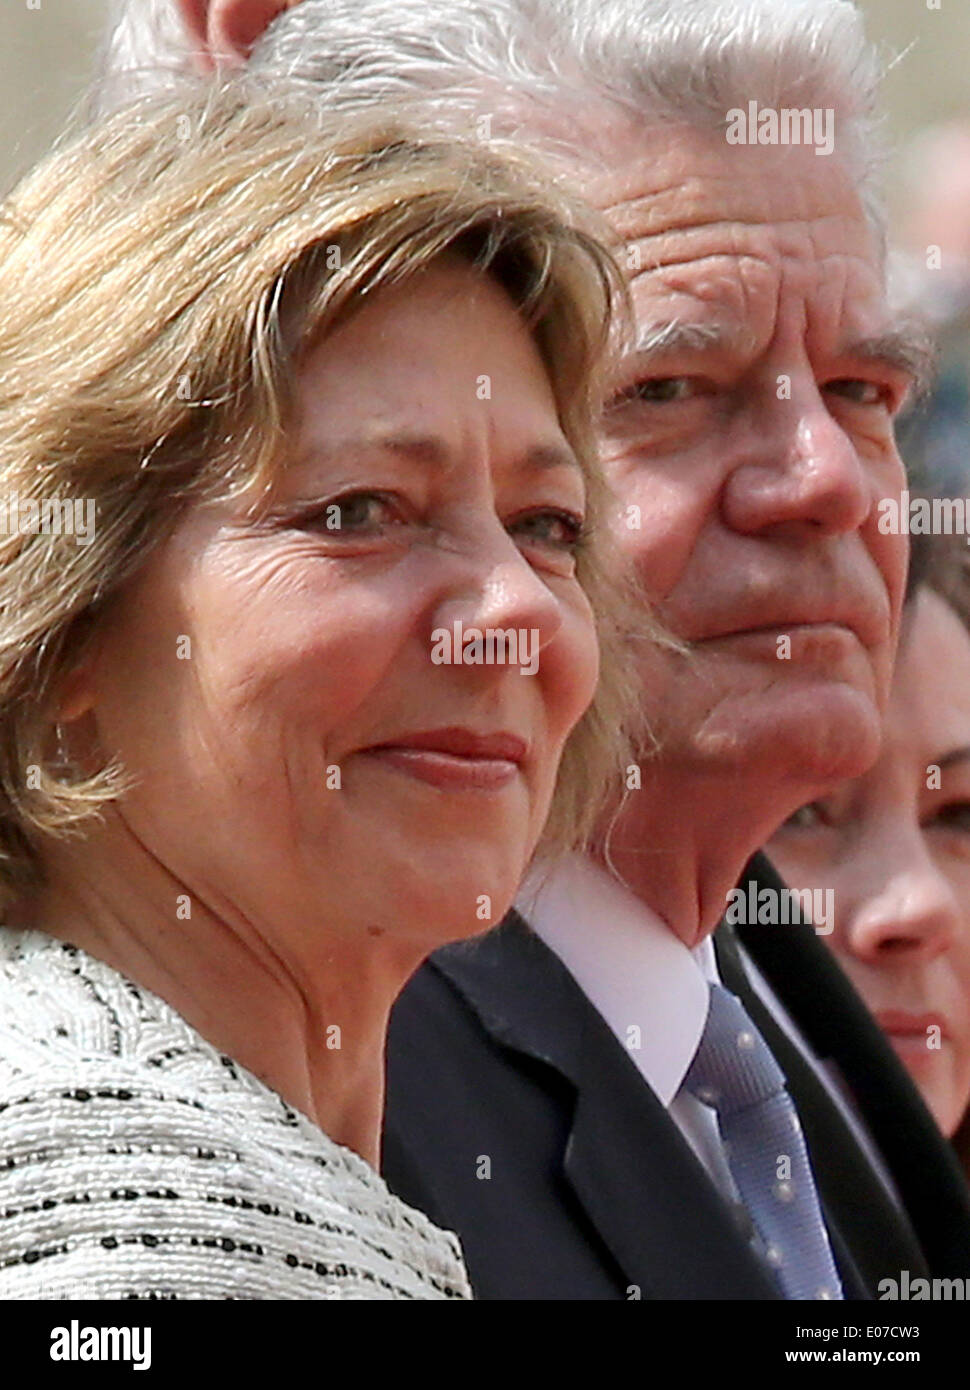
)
(58, 1004)
(135, 1160)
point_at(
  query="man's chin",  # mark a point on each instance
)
(816, 733)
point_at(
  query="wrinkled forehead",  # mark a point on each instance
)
(728, 232)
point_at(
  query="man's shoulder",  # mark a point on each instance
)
(507, 984)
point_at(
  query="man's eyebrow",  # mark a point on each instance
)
(674, 335)
(956, 755)
(905, 347)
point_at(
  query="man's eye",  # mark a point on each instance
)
(955, 816)
(660, 390)
(552, 527)
(860, 392)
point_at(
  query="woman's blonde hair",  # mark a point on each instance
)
(161, 274)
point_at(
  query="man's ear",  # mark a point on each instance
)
(226, 30)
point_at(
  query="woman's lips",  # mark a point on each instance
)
(455, 759)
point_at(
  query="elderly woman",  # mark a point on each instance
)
(283, 407)
(894, 846)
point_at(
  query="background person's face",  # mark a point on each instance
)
(755, 445)
(311, 647)
(896, 853)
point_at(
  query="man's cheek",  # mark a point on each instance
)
(894, 564)
(647, 552)
(659, 555)
(888, 551)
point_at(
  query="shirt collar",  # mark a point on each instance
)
(649, 987)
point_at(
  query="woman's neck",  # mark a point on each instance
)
(311, 1027)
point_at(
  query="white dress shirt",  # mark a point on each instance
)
(652, 991)
(648, 986)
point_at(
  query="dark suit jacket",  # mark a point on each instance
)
(516, 1118)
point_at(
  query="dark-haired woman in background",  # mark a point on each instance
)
(894, 846)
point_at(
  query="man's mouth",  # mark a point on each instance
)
(867, 625)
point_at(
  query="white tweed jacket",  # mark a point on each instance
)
(138, 1162)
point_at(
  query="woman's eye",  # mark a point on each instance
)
(356, 512)
(558, 529)
(805, 818)
(661, 390)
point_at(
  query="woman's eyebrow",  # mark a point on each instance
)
(430, 450)
(419, 448)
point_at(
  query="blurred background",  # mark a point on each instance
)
(46, 57)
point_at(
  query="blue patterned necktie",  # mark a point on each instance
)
(735, 1075)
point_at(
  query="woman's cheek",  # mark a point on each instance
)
(352, 635)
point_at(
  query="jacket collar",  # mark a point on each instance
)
(653, 1197)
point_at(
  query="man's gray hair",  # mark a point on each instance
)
(537, 66)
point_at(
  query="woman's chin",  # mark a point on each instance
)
(460, 892)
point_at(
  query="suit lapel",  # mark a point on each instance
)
(836, 1024)
(635, 1176)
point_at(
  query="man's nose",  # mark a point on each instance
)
(904, 910)
(798, 469)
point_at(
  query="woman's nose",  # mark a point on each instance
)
(908, 911)
(496, 590)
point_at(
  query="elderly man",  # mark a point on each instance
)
(594, 1094)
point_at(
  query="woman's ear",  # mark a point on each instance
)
(226, 30)
(194, 14)
(75, 695)
(74, 691)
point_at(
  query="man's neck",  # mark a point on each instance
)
(681, 844)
